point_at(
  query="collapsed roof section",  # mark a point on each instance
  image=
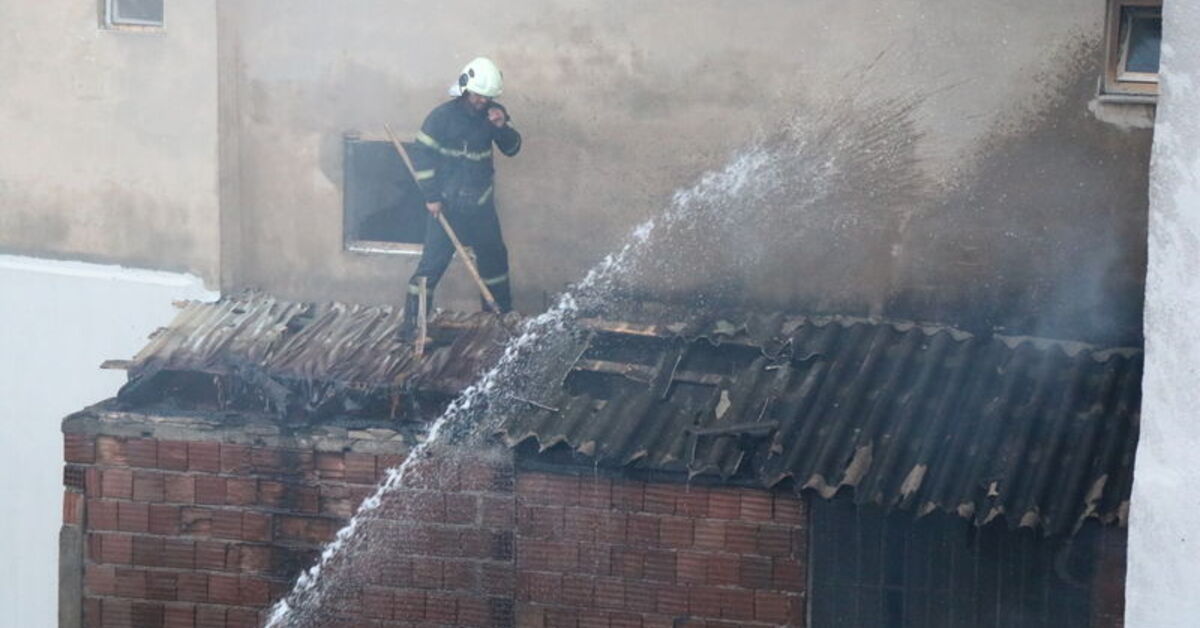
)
(1040, 433)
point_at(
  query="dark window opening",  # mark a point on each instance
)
(133, 12)
(383, 208)
(1134, 43)
(892, 570)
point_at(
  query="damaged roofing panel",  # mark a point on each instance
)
(333, 342)
(1041, 433)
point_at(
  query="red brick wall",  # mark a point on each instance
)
(598, 552)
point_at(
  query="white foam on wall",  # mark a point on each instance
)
(1163, 581)
(58, 322)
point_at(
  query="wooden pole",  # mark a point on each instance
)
(422, 312)
(462, 252)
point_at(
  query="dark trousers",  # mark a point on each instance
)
(477, 227)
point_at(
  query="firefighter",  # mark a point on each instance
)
(452, 159)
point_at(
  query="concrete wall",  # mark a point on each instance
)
(58, 322)
(1009, 195)
(110, 136)
(1164, 554)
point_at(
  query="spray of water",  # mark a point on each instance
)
(780, 184)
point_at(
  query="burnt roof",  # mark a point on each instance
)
(919, 417)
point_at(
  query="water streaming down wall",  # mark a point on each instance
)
(812, 176)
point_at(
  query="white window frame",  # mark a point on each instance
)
(113, 20)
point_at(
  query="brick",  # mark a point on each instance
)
(242, 618)
(473, 611)
(117, 613)
(639, 598)
(772, 607)
(148, 486)
(79, 448)
(148, 551)
(627, 563)
(100, 580)
(788, 575)
(487, 478)
(409, 605)
(116, 549)
(164, 519)
(330, 465)
(267, 460)
(610, 594)
(162, 585)
(788, 509)
(179, 489)
(133, 517)
(196, 521)
(91, 611)
(589, 618)
(741, 537)
(75, 477)
(580, 524)
(93, 549)
(560, 618)
(211, 555)
(141, 452)
(173, 455)
(92, 484)
(254, 558)
(548, 489)
(692, 501)
(241, 491)
(376, 602)
(724, 504)
(737, 605)
(179, 616)
(595, 492)
(709, 534)
(705, 602)
(540, 522)
(305, 529)
(756, 506)
(659, 566)
(117, 484)
(210, 617)
(691, 567)
(360, 468)
(226, 524)
(595, 559)
(547, 556)
(497, 578)
(72, 508)
(625, 620)
(611, 527)
(641, 530)
(774, 541)
(204, 457)
(224, 589)
(111, 451)
(254, 591)
(271, 493)
(498, 512)
(461, 509)
(723, 570)
(675, 532)
(426, 573)
(658, 621)
(578, 591)
(307, 500)
(131, 582)
(256, 526)
(235, 459)
(210, 490)
(179, 553)
(538, 587)
(147, 614)
(755, 572)
(460, 575)
(628, 495)
(660, 498)
(101, 515)
(441, 608)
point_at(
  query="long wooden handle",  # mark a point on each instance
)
(462, 252)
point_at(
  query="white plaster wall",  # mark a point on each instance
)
(1163, 582)
(58, 322)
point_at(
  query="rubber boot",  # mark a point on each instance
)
(408, 326)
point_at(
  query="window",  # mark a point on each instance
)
(383, 210)
(889, 569)
(1134, 37)
(133, 13)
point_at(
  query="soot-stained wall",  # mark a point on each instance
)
(940, 161)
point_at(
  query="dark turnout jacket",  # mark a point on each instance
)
(453, 154)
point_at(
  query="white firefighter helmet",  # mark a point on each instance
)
(480, 76)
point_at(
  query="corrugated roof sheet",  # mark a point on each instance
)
(1041, 433)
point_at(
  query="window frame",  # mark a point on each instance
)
(1117, 84)
(112, 20)
(361, 245)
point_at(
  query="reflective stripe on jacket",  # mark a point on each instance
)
(453, 153)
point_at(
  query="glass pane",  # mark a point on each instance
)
(1145, 37)
(138, 11)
